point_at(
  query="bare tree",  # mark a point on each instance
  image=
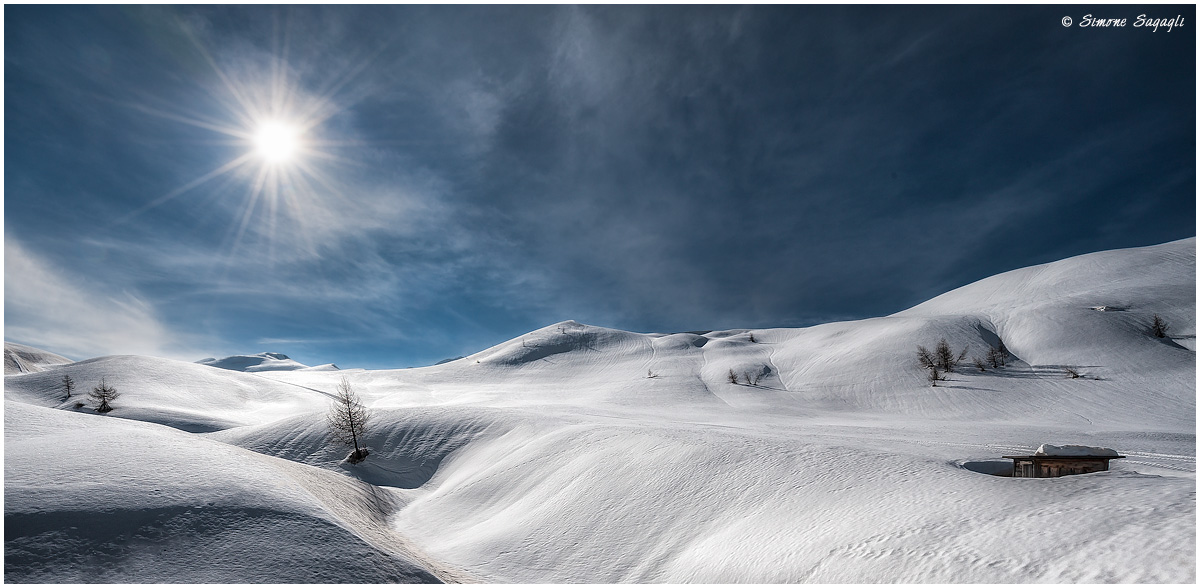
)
(1072, 371)
(925, 358)
(733, 379)
(935, 375)
(945, 358)
(67, 385)
(944, 355)
(979, 363)
(102, 394)
(348, 420)
(997, 355)
(1159, 327)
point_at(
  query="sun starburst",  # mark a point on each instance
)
(282, 160)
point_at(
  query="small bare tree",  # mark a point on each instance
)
(979, 363)
(348, 420)
(1158, 327)
(1072, 371)
(935, 375)
(925, 357)
(998, 355)
(102, 395)
(944, 355)
(733, 379)
(68, 385)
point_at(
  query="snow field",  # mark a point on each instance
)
(644, 503)
(180, 394)
(582, 454)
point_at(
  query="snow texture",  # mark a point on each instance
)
(556, 457)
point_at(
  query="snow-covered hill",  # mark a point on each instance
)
(583, 454)
(23, 359)
(259, 362)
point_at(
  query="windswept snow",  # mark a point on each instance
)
(583, 454)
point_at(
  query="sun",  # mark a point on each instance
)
(277, 141)
(273, 129)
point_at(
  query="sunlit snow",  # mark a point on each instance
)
(584, 454)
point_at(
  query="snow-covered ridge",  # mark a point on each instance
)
(23, 359)
(259, 362)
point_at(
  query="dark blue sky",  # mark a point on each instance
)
(473, 173)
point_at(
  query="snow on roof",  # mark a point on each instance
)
(1074, 451)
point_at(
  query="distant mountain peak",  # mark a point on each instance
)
(259, 362)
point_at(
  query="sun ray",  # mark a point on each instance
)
(251, 202)
(232, 165)
(190, 120)
(304, 233)
(325, 97)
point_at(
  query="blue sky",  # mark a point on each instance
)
(468, 174)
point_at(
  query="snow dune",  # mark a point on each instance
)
(583, 454)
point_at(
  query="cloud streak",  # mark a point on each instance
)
(47, 307)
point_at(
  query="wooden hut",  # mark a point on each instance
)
(1052, 461)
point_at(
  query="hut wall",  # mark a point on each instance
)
(1069, 467)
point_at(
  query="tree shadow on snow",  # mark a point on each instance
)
(971, 388)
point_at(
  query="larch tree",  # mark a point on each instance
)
(1159, 327)
(103, 394)
(348, 420)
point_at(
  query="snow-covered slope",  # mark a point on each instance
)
(179, 394)
(91, 499)
(583, 454)
(23, 359)
(259, 362)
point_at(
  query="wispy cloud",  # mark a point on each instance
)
(78, 317)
